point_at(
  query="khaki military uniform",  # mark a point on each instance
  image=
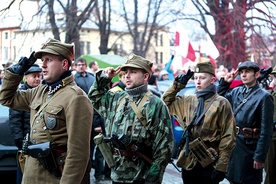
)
(217, 130)
(68, 117)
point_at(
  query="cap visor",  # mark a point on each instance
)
(130, 66)
(38, 54)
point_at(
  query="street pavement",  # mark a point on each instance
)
(171, 176)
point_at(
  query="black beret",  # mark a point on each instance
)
(249, 65)
(34, 68)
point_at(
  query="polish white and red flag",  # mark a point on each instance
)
(183, 46)
(210, 49)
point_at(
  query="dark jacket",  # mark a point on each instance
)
(19, 122)
(98, 121)
(257, 112)
(84, 82)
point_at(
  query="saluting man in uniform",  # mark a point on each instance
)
(60, 112)
(253, 109)
(151, 133)
(210, 118)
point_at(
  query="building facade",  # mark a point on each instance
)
(15, 43)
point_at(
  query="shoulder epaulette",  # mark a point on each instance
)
(77, 89)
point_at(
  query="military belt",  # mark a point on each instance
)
(131, 154)
(60, 150)
(248, 133)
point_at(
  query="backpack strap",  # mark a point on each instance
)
(245, 100)
(137, 110)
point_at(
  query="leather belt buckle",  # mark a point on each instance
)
(238, 130)
(117, 152)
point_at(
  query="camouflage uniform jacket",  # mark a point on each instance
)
(71, 128)
(156, 139)
(218, 128)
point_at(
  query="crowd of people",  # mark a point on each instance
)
(229, 127)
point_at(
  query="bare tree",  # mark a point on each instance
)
(233, 23)
(103, 18)
(75, 18)
(145, 19)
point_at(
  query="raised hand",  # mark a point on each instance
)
(23, 64)
(231, 76)
(111, 72)
(184, 78)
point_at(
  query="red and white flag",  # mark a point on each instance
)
(183, 45)
(209, 48)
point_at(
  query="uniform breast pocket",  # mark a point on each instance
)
(53, 117)
(34, 108)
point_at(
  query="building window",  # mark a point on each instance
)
(88, 48)
(6, 53)
(161, 57)
(120, 48)
(161, 40)
(156, 57)
(14, 52)
(156, 39)
(6, 35)
(81, 48)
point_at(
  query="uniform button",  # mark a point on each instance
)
(36, 122)
(34, 131)
(52, 110)
(41, 115)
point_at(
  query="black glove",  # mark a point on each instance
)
(264, 73)
(23, 65)
(172, 57)
(184, 78)
(217, 176)
(18, 143)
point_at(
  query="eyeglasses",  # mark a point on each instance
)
(81, 64)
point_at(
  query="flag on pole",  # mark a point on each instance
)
(183, 45)
(210, 50)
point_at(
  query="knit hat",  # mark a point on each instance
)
(274, 70)
(163, 72)
(55, 47)
(34, 68)
(249, 65)
(135, 61)
(205, 67)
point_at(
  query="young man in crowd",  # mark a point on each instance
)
(253, 109)
(208, 120)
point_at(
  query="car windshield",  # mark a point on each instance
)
(189, 89)
(4, 111)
